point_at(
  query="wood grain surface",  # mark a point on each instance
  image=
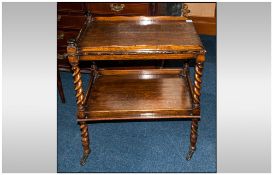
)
(142, 94)
(140, 34)
(127, 9)
(139, 94)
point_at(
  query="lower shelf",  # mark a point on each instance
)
(139, 95)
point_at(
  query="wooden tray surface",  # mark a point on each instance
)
(139, 94)
(140, 34)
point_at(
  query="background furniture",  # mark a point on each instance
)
(122, 9)
(203, 16)
(70, 19)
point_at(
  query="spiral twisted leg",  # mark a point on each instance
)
(196, 110)
(83, 125)
(197, 84)
(193, 138)
(74, 61)
(78, 85)
(85, 142)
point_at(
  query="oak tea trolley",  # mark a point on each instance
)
(137, 94)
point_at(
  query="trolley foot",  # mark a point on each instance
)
(190, 153)
(84, 158)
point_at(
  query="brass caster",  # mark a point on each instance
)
(83, 159)
(190, 153)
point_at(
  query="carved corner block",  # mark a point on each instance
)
(72, 51)
(185, 10)
(200, 58)
(74, 61)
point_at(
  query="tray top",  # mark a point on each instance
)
(139, 33)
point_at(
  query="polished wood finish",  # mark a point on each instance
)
(85, 142)
(194, 134)
(140, 19)
(130, 9)
(193, 138)
(204, 25)
(71, 17)
(75, 7)
(69, 22)
(197, 83)
(71, 48)
(139, 56)
(137, 94)
(118, 34)
(76, 74)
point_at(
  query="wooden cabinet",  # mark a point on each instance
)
(73, 22)
(127, 9)
(202, 9)
(70, 8)
(70, 19)
(203, 16)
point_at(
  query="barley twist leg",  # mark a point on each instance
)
(197, 84)
(78, 85)
(196, 101)
(83, 125)
(85, 142)
(74, 61)
(193, 138)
